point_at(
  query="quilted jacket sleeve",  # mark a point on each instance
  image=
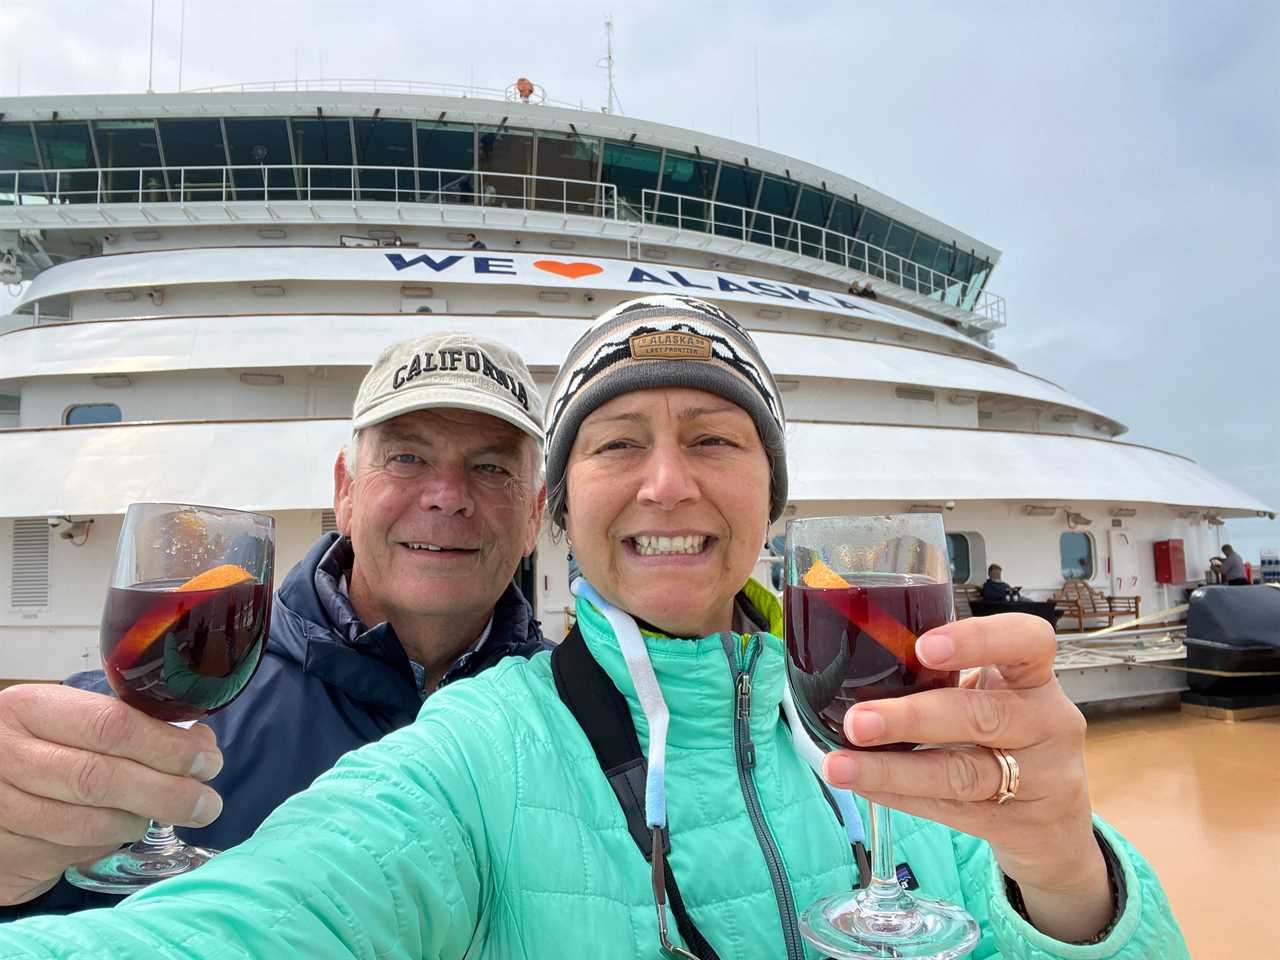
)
(1145, 929)
(386, 856)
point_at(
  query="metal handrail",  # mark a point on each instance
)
(805, 239)
(373, 85)
(308, 183)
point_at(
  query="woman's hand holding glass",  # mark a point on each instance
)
(1043, 839)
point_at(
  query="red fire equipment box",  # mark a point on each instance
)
(1171, 565)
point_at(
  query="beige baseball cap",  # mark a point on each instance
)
(453, 370)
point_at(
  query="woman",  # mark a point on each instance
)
(489, 828)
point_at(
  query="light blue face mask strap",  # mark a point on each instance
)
(654, 705)
(810, 754)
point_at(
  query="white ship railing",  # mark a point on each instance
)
(368, 85)
(308, 183)
(805, 239)
(324, 183)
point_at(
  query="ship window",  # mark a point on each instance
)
(632, 170)
(17, 147)
(812, 210)
(258, 142)
(958, 554)
(568, 157)
(844, 221)
(1077, 556)
(688, 176)
(777, 198)
(737, 187)
(86, 413)
(320, 143)
(18, 152)
(446, 146)
(66, 146)
(130, 143)
(194, 143)
(505, 151)
(924, 253)
(29, 570)
(384, 143)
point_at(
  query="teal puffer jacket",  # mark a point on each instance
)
(487, 830)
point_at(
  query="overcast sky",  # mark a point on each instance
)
(1124, 157)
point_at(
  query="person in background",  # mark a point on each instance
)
(995, 590)
(1231, 567)
(496, 826)
(474, 243)
(438, 497)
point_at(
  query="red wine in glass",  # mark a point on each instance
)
(183, 654)
(184, 627)
(848, 645)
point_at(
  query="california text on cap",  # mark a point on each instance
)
(453, 370)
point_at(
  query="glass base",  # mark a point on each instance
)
(139, 865)
(851, 926)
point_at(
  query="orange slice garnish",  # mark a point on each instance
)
(821, 577)
(154, 623)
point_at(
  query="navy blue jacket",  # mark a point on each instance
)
(326, 685)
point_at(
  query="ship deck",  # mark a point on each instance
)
(1201, 799)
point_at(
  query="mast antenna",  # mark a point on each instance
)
(151, 56)
(606, 63)
(182, 31)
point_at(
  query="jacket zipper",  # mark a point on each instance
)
(745, 753)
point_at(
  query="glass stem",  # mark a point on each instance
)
(884, 873)
(158, 834)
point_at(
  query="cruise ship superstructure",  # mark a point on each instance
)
(212, 273)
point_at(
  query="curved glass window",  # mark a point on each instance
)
(384, 143)
(813, 208)
(66, 145)
(1077, 556)
(320, 142)
(261, 142)
(18, 152)
(632, 170)
(777, 199)
(958, 554)
(843, 222)
(131, 143)
(736, 187)
(505, 162)
(446, 146)
(688, 176)
(194, 143)
(567, 157)
(85, 413)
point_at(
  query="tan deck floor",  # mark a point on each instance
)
(1201, 799)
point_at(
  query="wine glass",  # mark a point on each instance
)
(859, 591)
(183, 630)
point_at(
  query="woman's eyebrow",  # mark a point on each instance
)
(693, 413)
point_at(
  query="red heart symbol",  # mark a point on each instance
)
(571, 271)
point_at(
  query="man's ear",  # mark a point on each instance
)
(342, 483)
(535, 520)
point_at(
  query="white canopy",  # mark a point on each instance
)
(287, 465)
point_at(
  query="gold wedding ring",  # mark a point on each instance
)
(1010, 776)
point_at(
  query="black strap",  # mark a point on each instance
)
(601, 712)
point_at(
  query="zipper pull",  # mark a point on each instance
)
(743, 711)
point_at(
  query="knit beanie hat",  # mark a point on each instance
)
(663, 341)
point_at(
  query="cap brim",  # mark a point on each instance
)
(452, 398)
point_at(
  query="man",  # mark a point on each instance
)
(1231, 567)
(995, 590)
(474, 243)
(438, 498)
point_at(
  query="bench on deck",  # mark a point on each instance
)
(1082, 603)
